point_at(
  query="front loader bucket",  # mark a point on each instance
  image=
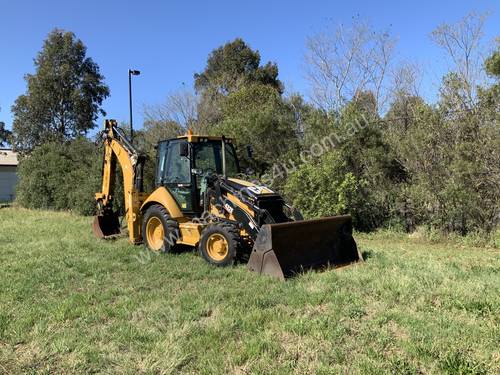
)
(282, 250)
(106, 225)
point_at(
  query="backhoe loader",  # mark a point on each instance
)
(199, 201)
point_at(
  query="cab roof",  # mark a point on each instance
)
(201, 138)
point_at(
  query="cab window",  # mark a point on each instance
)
(178, 168)
(208, 157)
(160, 162)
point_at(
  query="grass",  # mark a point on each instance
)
(72, 304)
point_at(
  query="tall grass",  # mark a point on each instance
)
(72, 304)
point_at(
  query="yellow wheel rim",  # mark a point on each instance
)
(217, 247)
(155, 233)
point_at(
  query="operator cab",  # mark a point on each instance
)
(183, 163)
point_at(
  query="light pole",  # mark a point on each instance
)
(130, 74)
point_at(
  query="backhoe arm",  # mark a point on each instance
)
(118, 149)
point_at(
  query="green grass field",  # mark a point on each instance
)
(71, 304)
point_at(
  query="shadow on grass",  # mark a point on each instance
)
(367, 254)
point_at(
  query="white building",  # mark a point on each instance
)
(8, 175)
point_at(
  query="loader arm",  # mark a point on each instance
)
(284, 246)
(118, 149)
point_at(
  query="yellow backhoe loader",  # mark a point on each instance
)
(200, 201)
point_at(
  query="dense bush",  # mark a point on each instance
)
(61, 176)
(355, 173)
(409, 165)
(451, 160)
(323, 187)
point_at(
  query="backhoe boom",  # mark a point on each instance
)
(118, 149)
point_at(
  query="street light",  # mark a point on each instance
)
(130, 74)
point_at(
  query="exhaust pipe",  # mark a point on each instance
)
(285, 249)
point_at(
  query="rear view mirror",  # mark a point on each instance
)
(249, 149)
(183, 149)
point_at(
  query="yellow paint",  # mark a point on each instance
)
(239, 203)
(163, 197)
(136, 202)
(114, 152)
(241, 182)
(265, 190)
(190, 233)
(194, 138)
(217, 247)
(154, 233)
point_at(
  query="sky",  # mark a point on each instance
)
(169, 40)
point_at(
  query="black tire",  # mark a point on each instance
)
(232, 237)
(170, 229)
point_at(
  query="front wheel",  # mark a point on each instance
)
(219, 244)
(159, 232)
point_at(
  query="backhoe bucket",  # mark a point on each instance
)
(282, 250)
(106, 225)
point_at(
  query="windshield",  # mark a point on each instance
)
(208, 157)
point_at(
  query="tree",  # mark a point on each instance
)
(462, 43)
(233, 65)
(450, 160)
(489, 97)
(4, 134)
(347, 60)
(324, 187)
(258, 116)
(63, 97)
(229, 68)
(355, 174)
(492, 63)
(61, 176)
(310, 122)
(180, 107)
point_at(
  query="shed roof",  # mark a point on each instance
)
(8, 157)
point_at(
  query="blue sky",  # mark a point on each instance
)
(169, 40)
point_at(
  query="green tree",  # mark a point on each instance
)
(450, 160)
(490, 95)
(492, 63)
(232, 66)
(256, 115)
(311, 123)
(63, 97)
(4, 134)
(229, 68)
(349, 170)
(61, 176)
(323, 186)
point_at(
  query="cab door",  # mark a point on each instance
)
(174, 172)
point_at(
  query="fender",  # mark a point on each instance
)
(162, 196)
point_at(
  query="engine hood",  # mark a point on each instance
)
(250, 189)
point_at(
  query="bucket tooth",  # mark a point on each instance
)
(282, 250)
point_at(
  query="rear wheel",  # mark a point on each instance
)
(219, 244)
(159, 231)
